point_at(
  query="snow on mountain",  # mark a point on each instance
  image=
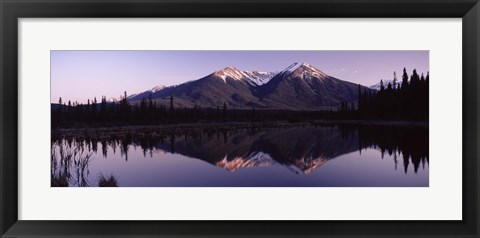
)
(132, 95)
(146, 94)
(229, 72)
(112, 99)
(157, 88)
(307, 71)
(314, 71)
(255, 78)
(290, 69)
(377, 86)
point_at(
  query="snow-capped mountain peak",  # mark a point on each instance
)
(254, 78)
(303, 69)
(231, 72)
(157, 88)
(258, 78)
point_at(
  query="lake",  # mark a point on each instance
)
(293, 156)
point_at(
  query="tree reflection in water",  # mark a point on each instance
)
(300, 149)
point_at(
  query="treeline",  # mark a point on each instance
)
(148, 112)
(405, 144)
(405, 100)
(145, 112)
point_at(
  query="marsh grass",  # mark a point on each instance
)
(69, 165)
(107, 181)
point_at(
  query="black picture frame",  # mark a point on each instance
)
(12, 10)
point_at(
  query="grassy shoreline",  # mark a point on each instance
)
(192, 129)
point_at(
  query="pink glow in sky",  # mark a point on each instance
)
(82, 75)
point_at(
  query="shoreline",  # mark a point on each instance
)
(263, 124)
(197, 128)
(377, 123)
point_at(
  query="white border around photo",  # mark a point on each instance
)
(442, 200)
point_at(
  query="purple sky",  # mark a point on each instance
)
(79, 75)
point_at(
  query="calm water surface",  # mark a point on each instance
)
(364, 156)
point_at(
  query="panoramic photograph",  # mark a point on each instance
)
(239, 118)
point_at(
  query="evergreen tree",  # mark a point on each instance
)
(408, 103)
(224, 110)
(150, 105)
(394, 80)
(94, 108)
(103, 108)
(171, 104)
(414, 79)
(360, 98)
(253, 113)
(404, 79)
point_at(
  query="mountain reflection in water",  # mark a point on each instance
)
(251, 157)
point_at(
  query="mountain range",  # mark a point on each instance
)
(301, 86)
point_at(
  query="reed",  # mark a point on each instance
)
(107, 181)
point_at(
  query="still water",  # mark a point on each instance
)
(352, 156)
